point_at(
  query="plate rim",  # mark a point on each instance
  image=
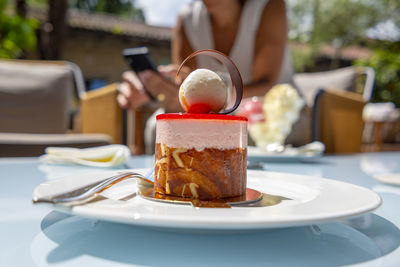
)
(266, 157)
(172, 222)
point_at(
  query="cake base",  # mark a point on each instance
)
(206, 175)
(251, 198)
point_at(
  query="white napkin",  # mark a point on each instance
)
(314, 148)
(380, 112)
(103, 156)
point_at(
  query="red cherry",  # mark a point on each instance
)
(199, 108)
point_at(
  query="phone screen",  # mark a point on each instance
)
(139, 59)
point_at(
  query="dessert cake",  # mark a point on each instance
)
(200, 156)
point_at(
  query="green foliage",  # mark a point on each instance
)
(16, 34)
(390, 9)
(386, 62)
(341, 21)
(302, 59)
(335, 22)
(37, 3)
(123, 8)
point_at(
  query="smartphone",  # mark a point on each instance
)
(139, 59)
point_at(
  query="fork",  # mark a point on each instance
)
(89, 192)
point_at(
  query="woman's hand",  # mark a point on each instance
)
(171, 70)
(165, 91)
(132, 94)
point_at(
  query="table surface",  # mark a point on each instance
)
(36, 235)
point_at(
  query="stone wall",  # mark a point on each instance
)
(99, 55)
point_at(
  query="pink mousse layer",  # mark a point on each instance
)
(202, 133)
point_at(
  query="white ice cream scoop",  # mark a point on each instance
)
(203, 91)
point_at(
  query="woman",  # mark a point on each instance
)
(252, 32)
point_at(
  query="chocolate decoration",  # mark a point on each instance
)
(234, 74)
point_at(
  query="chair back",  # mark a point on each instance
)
(38, 96)
(337, 104)
(343, 79)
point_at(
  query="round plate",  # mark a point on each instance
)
(255, 154)
(307, 200)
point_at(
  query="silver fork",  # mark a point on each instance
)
(89, 192)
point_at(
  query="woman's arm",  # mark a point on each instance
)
(269, 49)
(132, 94)
(181, 48)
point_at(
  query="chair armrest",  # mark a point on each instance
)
(100, 113)
(337, 121)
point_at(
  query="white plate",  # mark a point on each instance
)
(255, 154)
(311, 200)
(388, 178)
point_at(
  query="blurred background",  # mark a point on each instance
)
(323, 35)
(91, 33)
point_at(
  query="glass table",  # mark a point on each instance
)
(37, 235)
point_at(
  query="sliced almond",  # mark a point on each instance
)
(163, 150)
(183, 190)
(193, 189)
(176, 157)
(162, 161)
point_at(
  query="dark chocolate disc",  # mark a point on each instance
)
(234, 74)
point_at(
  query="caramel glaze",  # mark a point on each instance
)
(252, 198)
(209, 174)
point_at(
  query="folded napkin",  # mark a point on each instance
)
(314, 148)
(103, 156)
(380, 112)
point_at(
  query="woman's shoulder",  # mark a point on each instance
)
(273, 18)
(189, 9)
(274, 9)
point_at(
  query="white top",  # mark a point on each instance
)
(197, 25)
